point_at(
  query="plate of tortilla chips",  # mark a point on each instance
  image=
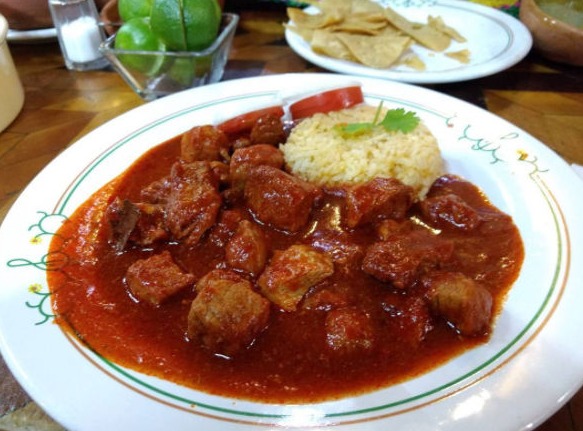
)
(416, 41)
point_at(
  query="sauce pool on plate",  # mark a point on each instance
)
(274, 303)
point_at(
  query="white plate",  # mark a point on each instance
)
(531, 366)
(32, 36)
(495, 40)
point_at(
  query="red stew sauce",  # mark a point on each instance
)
(290, 360)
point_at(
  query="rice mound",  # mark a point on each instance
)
(317, 153)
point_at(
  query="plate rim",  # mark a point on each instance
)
(32, 35)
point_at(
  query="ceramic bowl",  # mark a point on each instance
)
(160, 73)
(555, 39)
(11, 89)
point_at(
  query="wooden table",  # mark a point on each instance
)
(543, 98)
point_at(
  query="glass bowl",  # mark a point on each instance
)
(154, 74)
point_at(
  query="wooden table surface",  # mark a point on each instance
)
(545, 99)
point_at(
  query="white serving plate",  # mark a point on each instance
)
(529, 369)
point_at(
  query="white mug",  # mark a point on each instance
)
(11, 91)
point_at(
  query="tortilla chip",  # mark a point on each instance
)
(413, 61)
(358, 26)
(303, 19)
(346, 7)
(390, 30)
(341, 8)
(424, 34)
(378, 17)
(439, 24)
(379, 52)
(366, 7)
(462, 56)
(328, 43)
(303, 32)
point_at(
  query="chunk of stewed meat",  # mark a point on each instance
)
(408, 318)
(450, 211)
(157, 191)
(268, 129)
(204, 143)
(325, 299)
(346, 254)
(150, 227)
(247, 249)
(290, 274)
(194, 201)
(225, 227)
(448, 184)
(217, 274)
(122, 216)
(244, 159)
(241, 142)
(385, 228)
(279, 199)
(221, 172)
(157, 278)
(138, 223)
(349, 330)
(227, 315)
(378, 199)
(404, 257)
(462, 301)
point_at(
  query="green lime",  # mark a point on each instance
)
(186, 25)
(183, 71)
(136, 35)
(202, 18)
(186, 71)
(129, 9)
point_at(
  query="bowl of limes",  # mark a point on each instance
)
(161, 47)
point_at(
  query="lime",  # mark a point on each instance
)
(186, 25)
(183, 71)
(187, 70)
(129, 9)
(137, 35)
(202, 19)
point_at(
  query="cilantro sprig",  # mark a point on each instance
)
(394, 120)
(399, 119)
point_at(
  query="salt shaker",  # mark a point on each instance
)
(79, 33)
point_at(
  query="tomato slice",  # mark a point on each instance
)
(244, 122)
(331, 100)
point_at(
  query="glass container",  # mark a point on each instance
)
(153, 74)
(79, 32)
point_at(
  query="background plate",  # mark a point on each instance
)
(511, 383)
(32, 36)
(495, 40)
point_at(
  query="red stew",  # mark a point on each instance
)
(350, 333)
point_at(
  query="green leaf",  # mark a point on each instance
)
(353, 129)
(395, 119)
(399, 119)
